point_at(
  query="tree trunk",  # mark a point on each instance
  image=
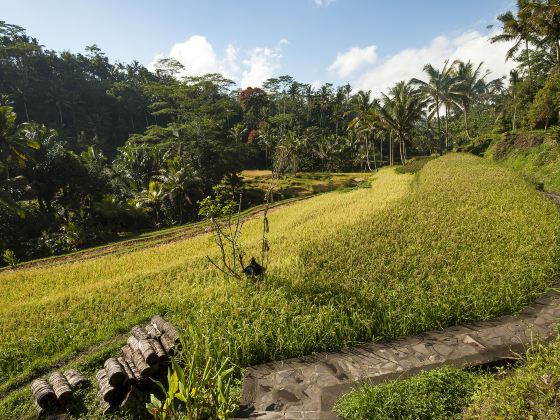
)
(529, 63)
(59, 113)
(513, 124)
(446, 129)
(367, 153)
(439, 126)
(25, 107)
(391, 150)
(466, 120)
(381, 149)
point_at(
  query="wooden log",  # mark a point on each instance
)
(135, 357)
(141, 381)
(153, 331)
(115, 372)
(145, 348)
(166, 327)
(76, 379)
(61, 387)
(43, 393)
(139, 333)
(130, 377)
(134, 401)
(105, 407)
(160, 351)
(41, 412)
(107, 393)
(167, 343)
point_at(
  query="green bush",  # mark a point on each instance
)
(479, 145)
(437, 394)
(528, 392)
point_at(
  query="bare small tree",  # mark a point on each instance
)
(225, 221)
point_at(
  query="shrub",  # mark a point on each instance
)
(437, 394)
(528, 392)
(10, 258)
(479, 145)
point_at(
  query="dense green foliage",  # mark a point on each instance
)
(345, 268)
(433, 395)
(91, 150)
(534, 154)
(530, 391)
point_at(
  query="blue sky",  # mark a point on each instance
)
(370, 44)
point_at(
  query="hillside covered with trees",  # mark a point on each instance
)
(91, 148)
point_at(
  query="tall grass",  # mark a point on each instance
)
(528, 392)
(439, 394)
(462, 240)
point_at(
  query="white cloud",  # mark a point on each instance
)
(199, 57)
(409, 63)
(321, 3)
(260, 65)
(316, 84)
(348, 62)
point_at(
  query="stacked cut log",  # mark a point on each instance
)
(57, 390)
(122, 380)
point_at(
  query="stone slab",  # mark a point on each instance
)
(307, 387)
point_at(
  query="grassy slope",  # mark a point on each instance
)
(465, 240)
(540, 164)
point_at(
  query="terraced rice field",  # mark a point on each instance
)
(461, 240)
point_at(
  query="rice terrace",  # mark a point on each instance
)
(200, 235)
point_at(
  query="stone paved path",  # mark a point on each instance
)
(307, 388)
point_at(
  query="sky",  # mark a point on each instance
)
(371, 44)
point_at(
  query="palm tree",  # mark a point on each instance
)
(364, 123)
(545, 18)
(402, 109)
(152, 197)
(437, 92)
(518, 30)
(177, 183)
(16, 143)
(471, 86)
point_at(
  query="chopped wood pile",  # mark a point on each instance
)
(57, 390)
(123, 379)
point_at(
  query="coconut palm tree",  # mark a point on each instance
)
(544, 18)
(365, 122)
(402, 108)
(437, 92)
(470, 86)
(519, 31)
(178, 183)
